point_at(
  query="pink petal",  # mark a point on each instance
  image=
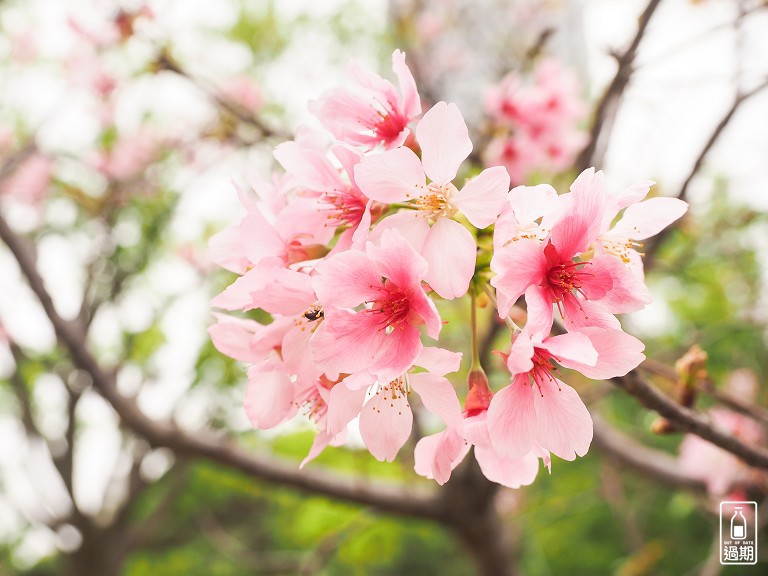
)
(564, 425)
(321, 441)
(391, 176)
(425, 308)
(444, 140)
(311, 168)
(438, 397)
(346, 342)
(529, 203)
(582, 313)
(572, 346)
(438, 360)
(231, 336)
(634, 193)
(517, 266)
(397, 261)
(648, 218)
(289, 293)
(225, 249)
(512, 419)
(268, 399)
(450, 250)
(614, 286)
(512, 473)
(409, 224)
(580, 226)
(411, 102)
(237, 296)
(344, 404)
(297, 356)
(540, 315)
(618, 353)
(346, 280)
(396, 353)
(260, 239)
(437, 455)
(483, 196)
(385, 423)
(520, 359)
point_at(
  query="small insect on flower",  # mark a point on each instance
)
(314, 314)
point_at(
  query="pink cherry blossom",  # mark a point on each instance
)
(29, 182)
(639, 221)
(399, 176)
(374, 112)
(537, 409)
(536, 121)
(386, 417)
(437, 455)
(384, 282)
(586, 292)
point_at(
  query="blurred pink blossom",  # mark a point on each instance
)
(29, 182)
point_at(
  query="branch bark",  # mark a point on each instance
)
(649, 462)
(387, 498)
(688, 420)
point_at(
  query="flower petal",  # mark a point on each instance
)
(390, 176)
(564, 425)
(617, 354)
(346, 280)
(268, 398)
(438, 360)
(517, 266)
(437, 455)
(483, 196)
(385, 422)
(648, 218)
(411, 102)
(512, 473)
(444, 140)
(450, 250)
(344, 404)
(512, 419)
(438, 397)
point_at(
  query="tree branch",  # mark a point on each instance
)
(652, 463)
(687, 420)
(608, 107)
(383, 497)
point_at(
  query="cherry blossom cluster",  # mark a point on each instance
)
(350, 246)
(535, 121)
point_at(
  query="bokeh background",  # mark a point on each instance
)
(122, 128)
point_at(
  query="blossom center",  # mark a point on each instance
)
(436, 200)
(345, 207)
(393, 308)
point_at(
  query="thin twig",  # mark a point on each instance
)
(653, 244)
(608, 106)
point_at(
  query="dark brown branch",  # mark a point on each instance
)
(387, 498)
(648, 461)
(687, 420)
(608, 106)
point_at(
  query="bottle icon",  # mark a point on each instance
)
(738, 525)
